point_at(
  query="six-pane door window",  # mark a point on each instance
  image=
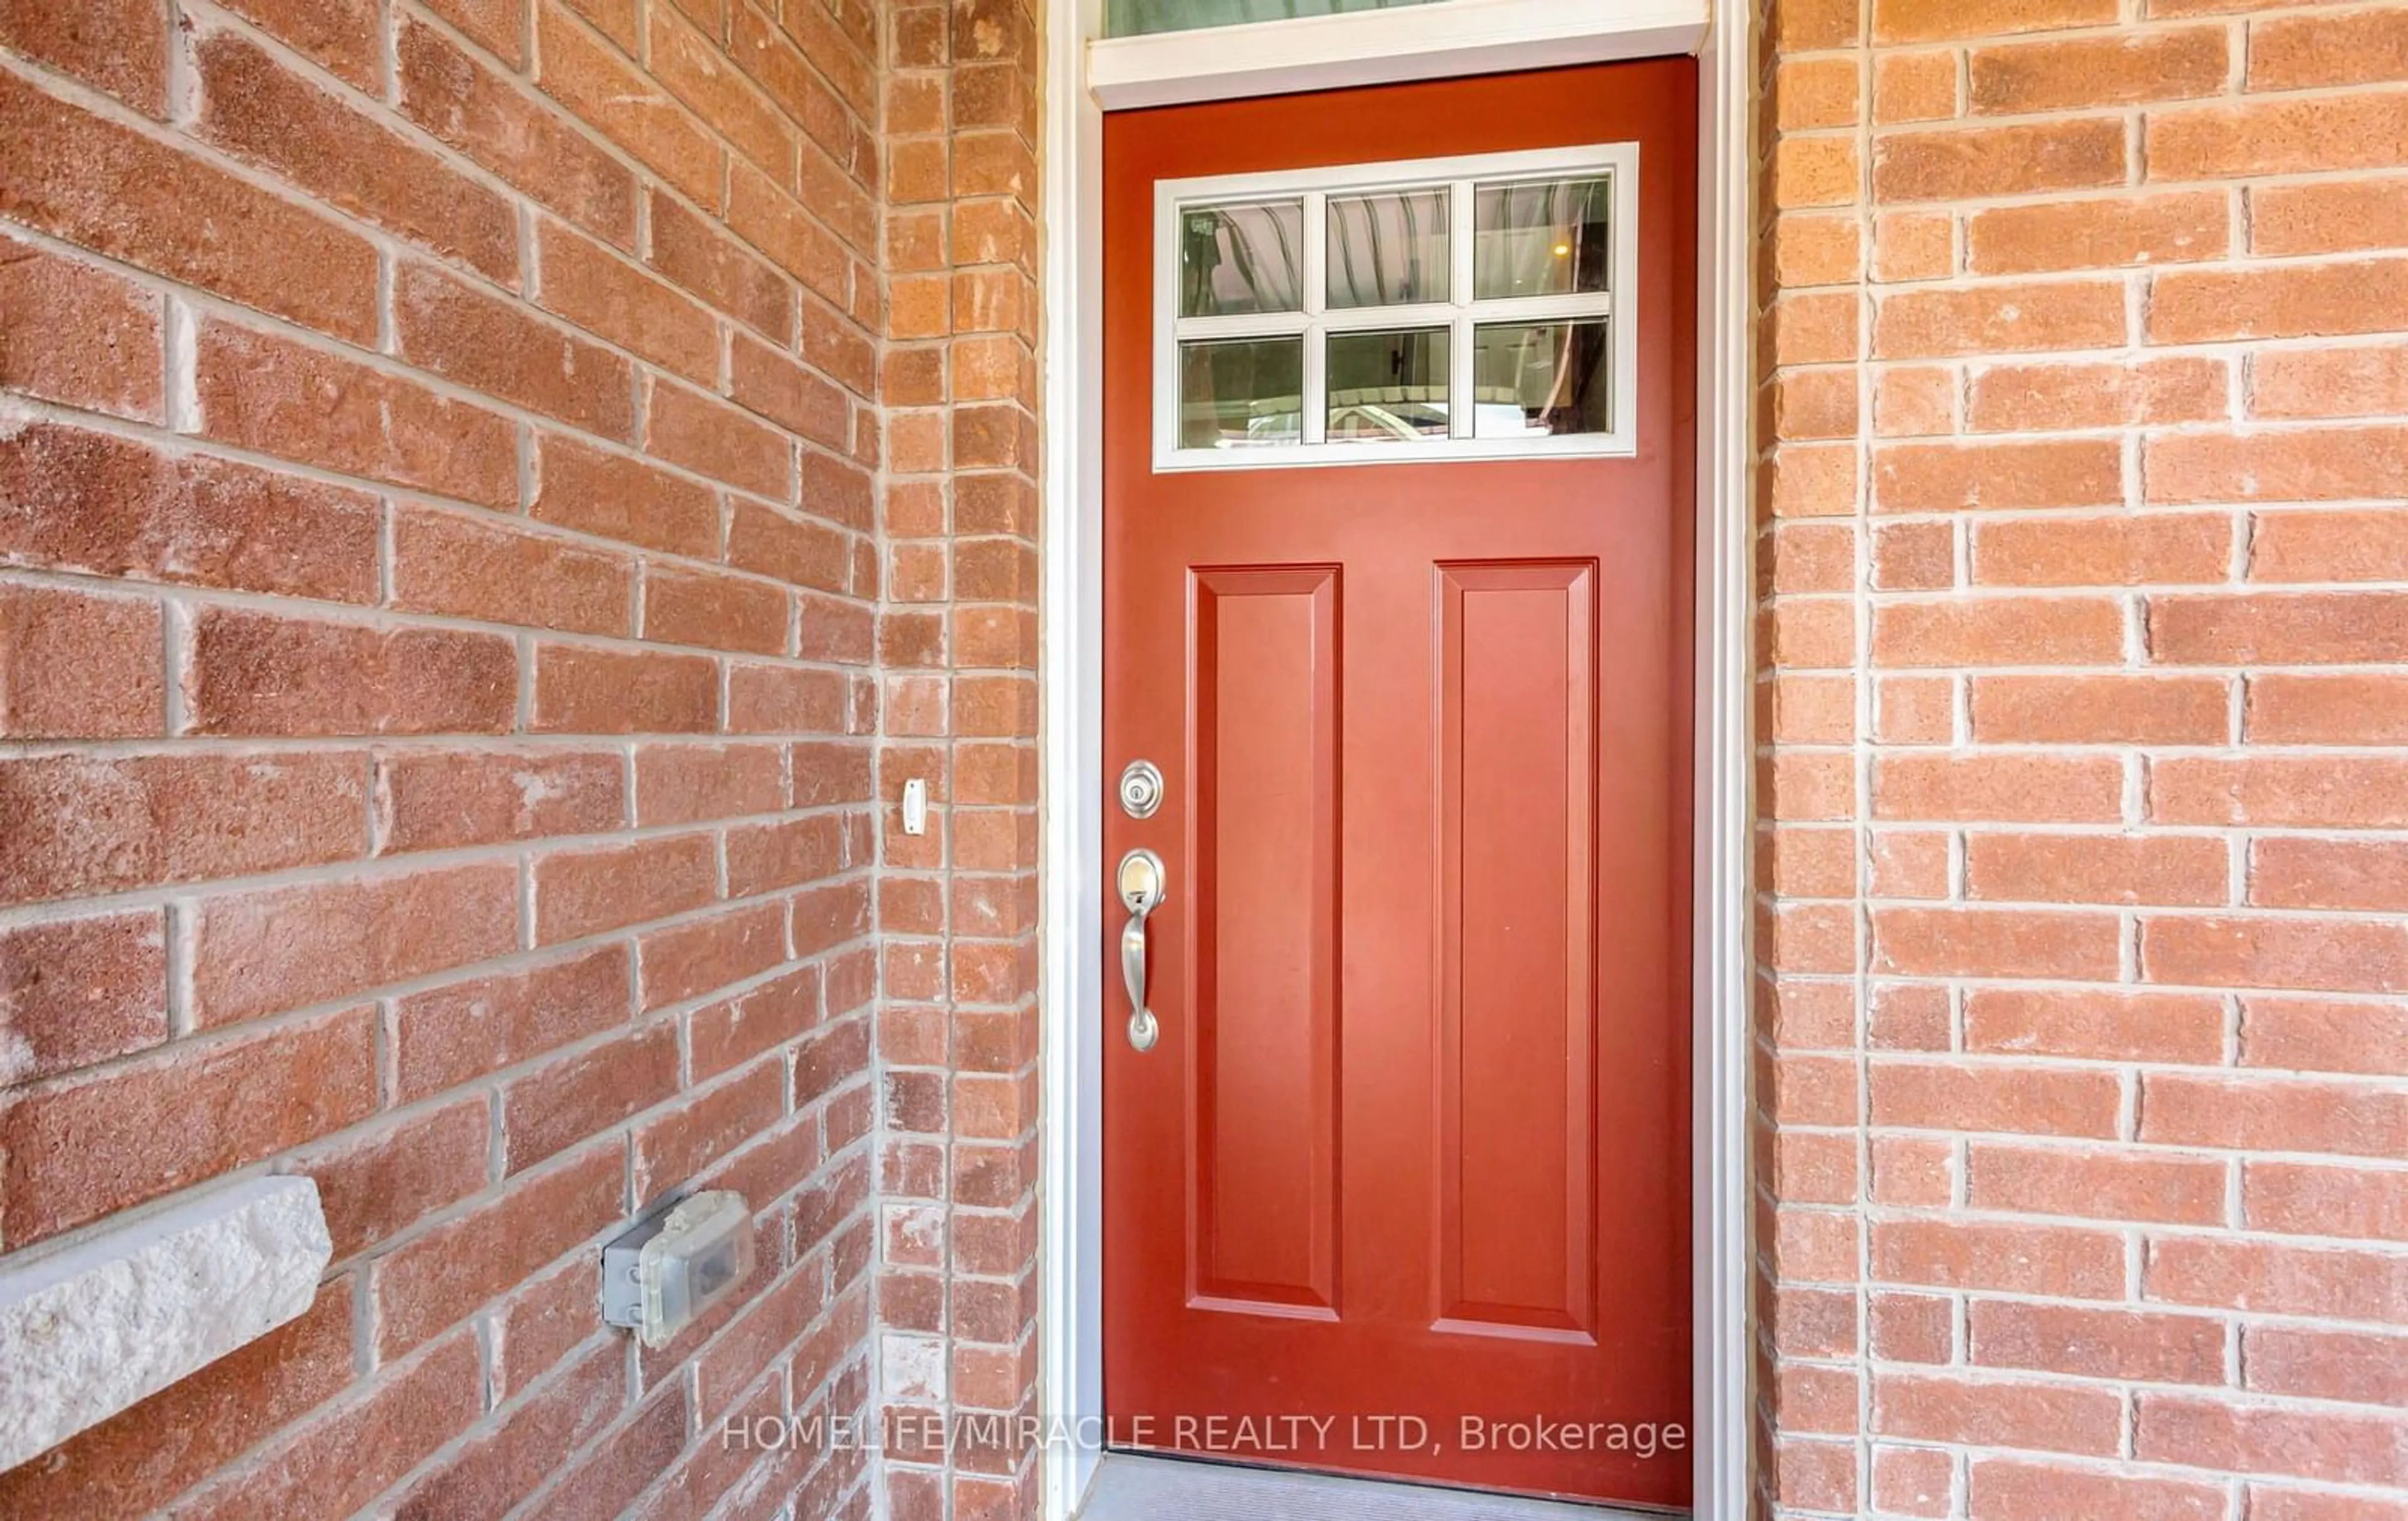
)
(1470, 314)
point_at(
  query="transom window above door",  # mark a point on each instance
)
(1431, 309)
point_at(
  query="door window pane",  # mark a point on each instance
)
(1536, 379)
(1128, 18)
(1387, 387)
(1241, 394)
(1388, 249)
(1544, 238)
(1239, 259)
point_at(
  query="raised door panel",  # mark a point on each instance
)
(1517, 1119)
(1264, 1184)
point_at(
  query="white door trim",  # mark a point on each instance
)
(1071, 736)
(1070, 1306)
(1723, 979)
(1385, 46)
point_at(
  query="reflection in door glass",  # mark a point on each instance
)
(1387, 387)
(1544, 238)
(1536, 379)
(1388, 249)
(1239, 259)
(1241, 394)
(1128, 18)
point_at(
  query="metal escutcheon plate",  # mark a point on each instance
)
(1140, 789)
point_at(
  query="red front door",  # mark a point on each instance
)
(1403, 1188)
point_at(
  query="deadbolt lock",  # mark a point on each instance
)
(1140, 789)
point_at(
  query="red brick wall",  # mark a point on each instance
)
(439, 586)
(2086, 626)
(957, 1033)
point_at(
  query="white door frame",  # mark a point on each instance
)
(1463, 37)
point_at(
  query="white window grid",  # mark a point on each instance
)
(1617, 164)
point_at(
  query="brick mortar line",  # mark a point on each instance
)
(2240, 257)
(873, 1345)
(2227, 99)
(2136, 591)
(1863, 800)
(2092, 828)
(197, 597)
(491, 747)
(2045, 33)
(2135, 114)
(2306, 748)
(421, 746)
(2112, 1148)
(2110, 29)
(2103, 1465)
(2031, 1299)
(1984, 362)
(2129, 356)
(2100, 1146)
(2379, 1001)
(365, 870)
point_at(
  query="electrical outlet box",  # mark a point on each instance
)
(672, 1267)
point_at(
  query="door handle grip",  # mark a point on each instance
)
(1143, 885)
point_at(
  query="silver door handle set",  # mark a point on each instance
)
(1143, 883)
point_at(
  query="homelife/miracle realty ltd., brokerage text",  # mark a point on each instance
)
(1231, 1436)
